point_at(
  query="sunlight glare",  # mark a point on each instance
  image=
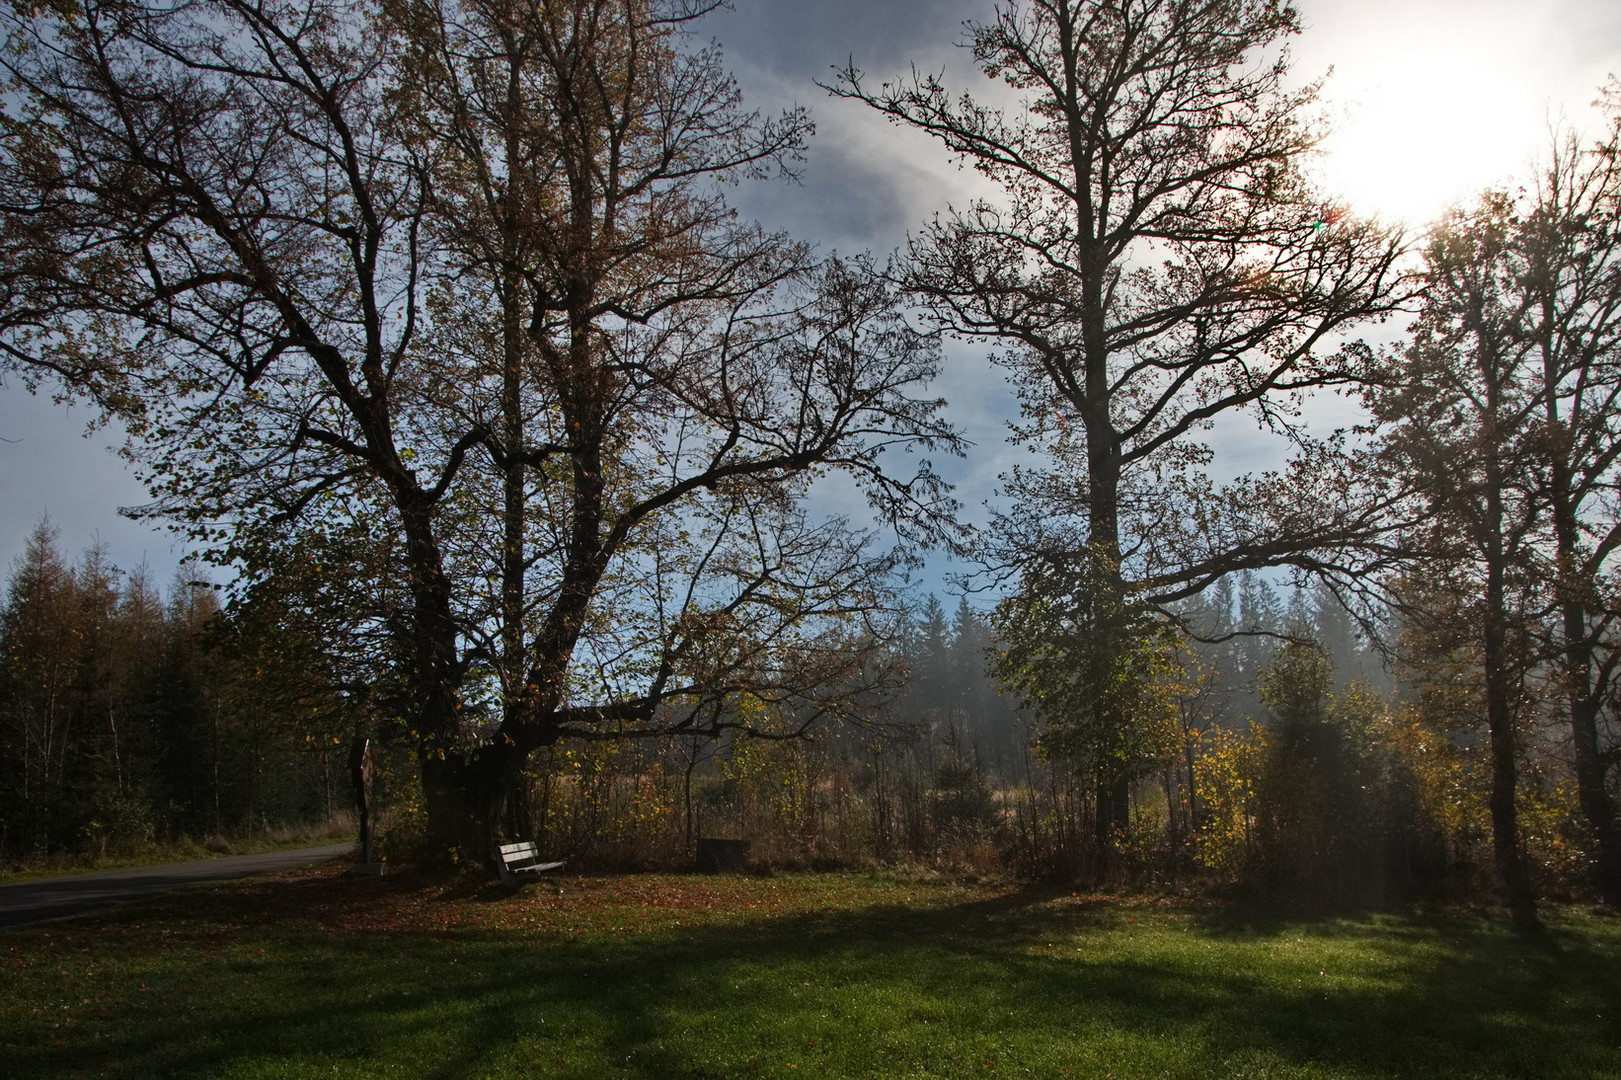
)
(1424, 123)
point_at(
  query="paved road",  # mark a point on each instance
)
(49, 898)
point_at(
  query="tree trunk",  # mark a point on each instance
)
(1500, 711)
(457, 830)
(1114, 815)
(1595, 801)
(1585, 699)
(474, 800)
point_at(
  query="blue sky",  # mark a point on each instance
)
(1431, 100)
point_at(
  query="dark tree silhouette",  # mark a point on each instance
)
(1155, 262)
(454, 287)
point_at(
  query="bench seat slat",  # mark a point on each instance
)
(534, 867)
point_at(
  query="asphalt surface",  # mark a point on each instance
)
(54, 898)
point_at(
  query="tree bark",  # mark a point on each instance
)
(1499, 685)
(1585, 703)
(1585, 699)
(475, 799)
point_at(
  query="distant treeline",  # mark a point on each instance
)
(1295, 760)
(129, 718)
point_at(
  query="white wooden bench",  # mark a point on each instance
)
(518, 862)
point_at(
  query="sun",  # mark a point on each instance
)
(1423, 123)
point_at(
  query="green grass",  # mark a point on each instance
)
(802, 976)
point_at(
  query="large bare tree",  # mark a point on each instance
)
(453, 289)
(1153, 262)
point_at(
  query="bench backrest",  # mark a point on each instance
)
(519, 852)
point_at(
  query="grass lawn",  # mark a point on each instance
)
(314, 974)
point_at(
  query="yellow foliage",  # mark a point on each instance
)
(1229, 764)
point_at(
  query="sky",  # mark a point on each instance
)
(1431, 101)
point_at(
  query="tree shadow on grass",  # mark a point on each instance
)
(1036, 980)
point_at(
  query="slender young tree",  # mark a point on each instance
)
(1568, 265)
(1507, 405)
(1459, 421)
(1155, 261)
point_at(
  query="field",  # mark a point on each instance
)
(315, 974)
